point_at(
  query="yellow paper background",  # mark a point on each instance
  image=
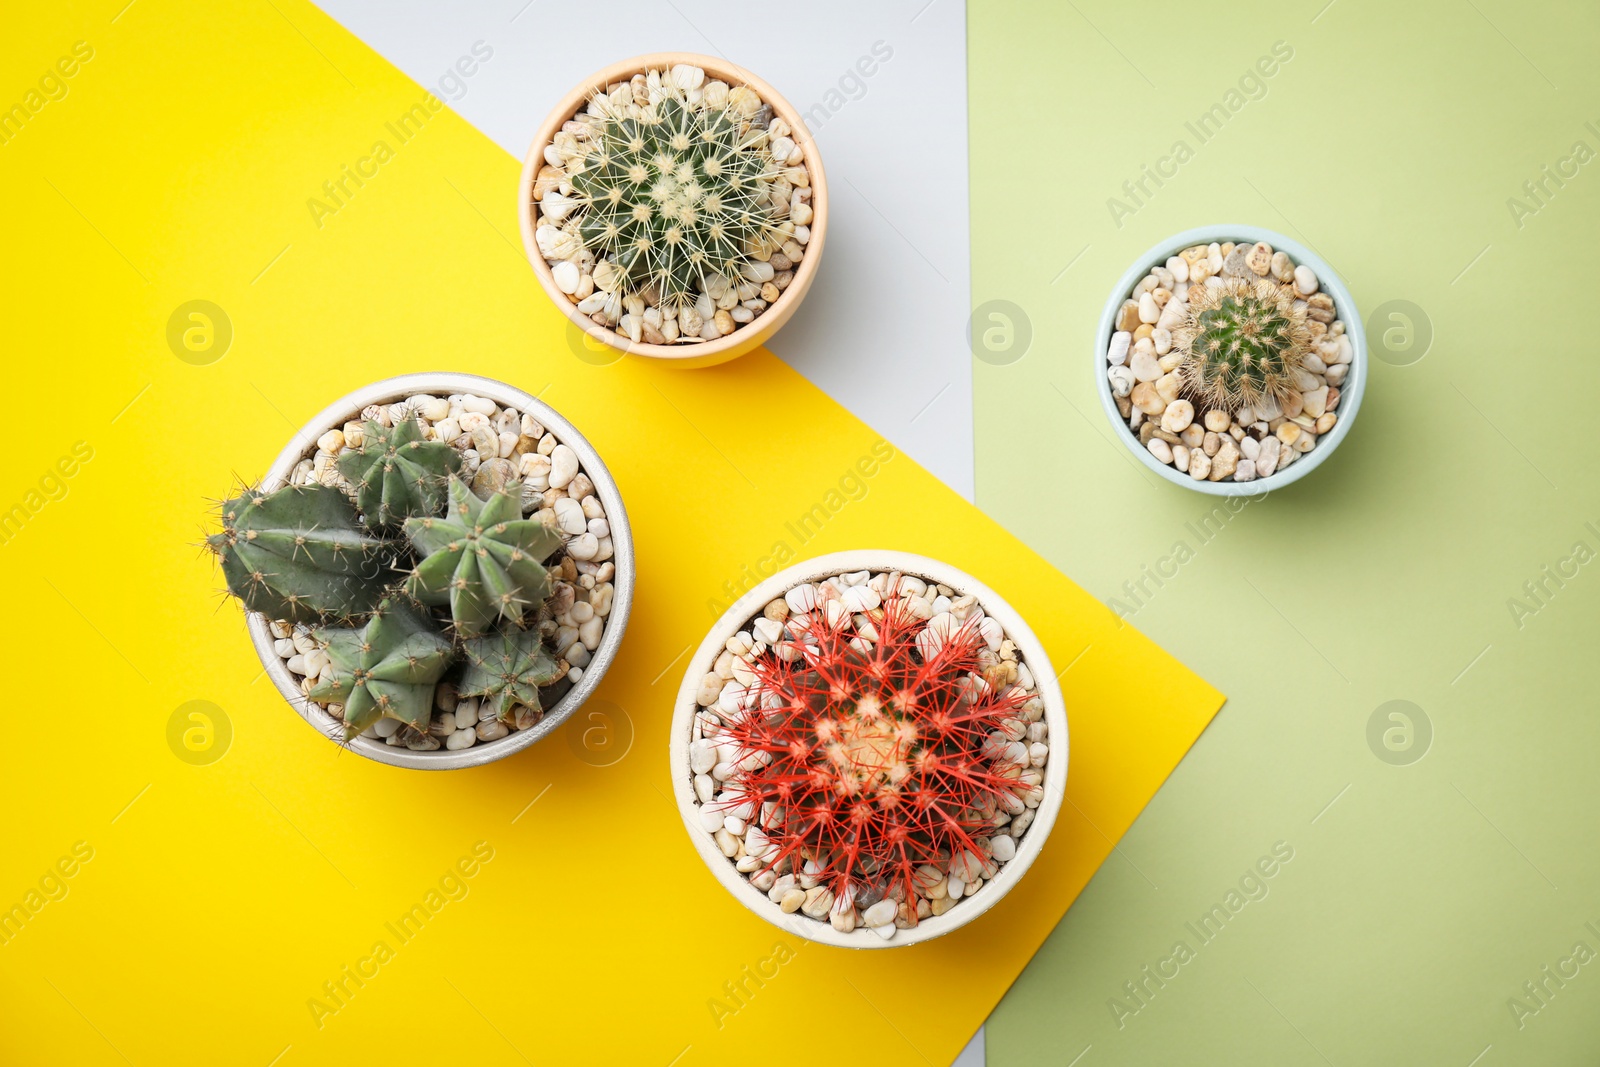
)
(220, 898)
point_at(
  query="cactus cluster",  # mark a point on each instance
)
(461, 585)
(1241, 342)
(675, 195)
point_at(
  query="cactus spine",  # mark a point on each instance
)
(396, 473)
(386, 669)
(482, 558)
(299, 554)
(1242, 342)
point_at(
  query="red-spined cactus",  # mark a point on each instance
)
(868, 751)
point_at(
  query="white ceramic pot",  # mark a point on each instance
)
(442, 384)
(739, 617)
(1350, 392)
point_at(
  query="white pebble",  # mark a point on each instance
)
(563, 466)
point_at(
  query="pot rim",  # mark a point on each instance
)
(740, 613)
(443, 383)
(767, 322)
(1328, 281)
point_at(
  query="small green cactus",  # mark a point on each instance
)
(396, 473)
(299, 554)
(1242, 342)
(675, 195)
(507, 669)
(386, 669)
(482, 558)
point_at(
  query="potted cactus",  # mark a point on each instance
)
(438, 580)
(674, 207)
(1232, 360)
(869, 749)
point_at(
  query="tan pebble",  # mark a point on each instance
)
(1210, 443)
(1293, 404)
(1194, 434)
(1147, 399)
(1178, 415)
(1226, 461)
(1128, 317)
(1144, 330)
(1259, 259)
(1326, 421)
(1282, 267)
(1289, 433)
(1199, 465)
(1333, 398)
(1168, 385)
(1217, 420)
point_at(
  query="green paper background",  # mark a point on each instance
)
(1420, 897)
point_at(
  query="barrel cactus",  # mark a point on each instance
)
(1242, 342)
(507, 669)
(300, 554)
(482, 558)
(871, 761)
(397, 473)
(675, 195)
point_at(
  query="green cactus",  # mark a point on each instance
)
(675, 195)
(396, 473)
(386, 669)
(1241, 343)
(482, 558)
(507, 669)
(299, 554)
